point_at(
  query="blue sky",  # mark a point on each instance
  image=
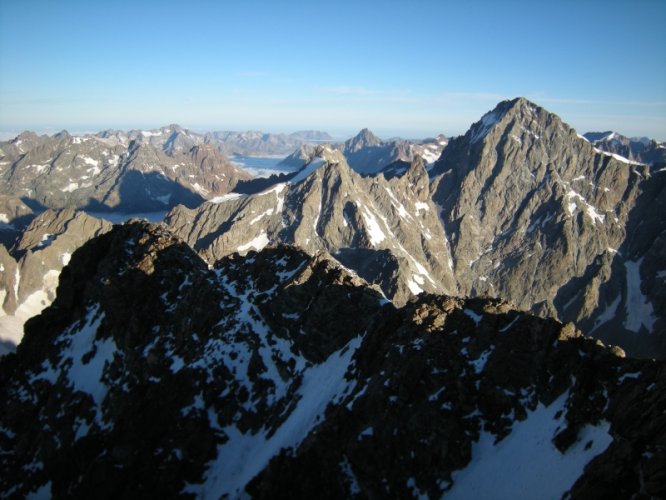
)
(400, 68)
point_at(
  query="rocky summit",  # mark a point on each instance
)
(537, 215)
(368, 154)
(282, 374)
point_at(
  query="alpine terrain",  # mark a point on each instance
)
(137, 171)
(639, 149)
(475, 317)
(520, 208)
(283, 374)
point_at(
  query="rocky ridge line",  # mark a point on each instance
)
(152, 373)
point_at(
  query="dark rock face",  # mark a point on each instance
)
(142, 333)
(14, 218)
(280, 374)
(435, 386)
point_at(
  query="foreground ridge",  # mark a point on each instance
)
(283, 373)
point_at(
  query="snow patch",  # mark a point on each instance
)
(226, 197)
(83, 376)
(44, 491)
(261, 216)
(402, 211)
(608, 314)
(200, 189)
(483, 127)
(421, 206)
(414, 288)
(590, 210)
(638, 307)
(526, 463)
(307, 170)
(244, 455)
(476, 317)
(617, 157)
(47, 239)
(148, 133)
(257, 243)
(375, 232)
(89, 161)
(480, 363)
(39, 168)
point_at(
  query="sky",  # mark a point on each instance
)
(408, 68)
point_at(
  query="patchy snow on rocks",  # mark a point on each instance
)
(526, 461)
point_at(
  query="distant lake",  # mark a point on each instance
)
(261, 166)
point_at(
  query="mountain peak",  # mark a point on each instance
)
(519, 108)
(365, 138)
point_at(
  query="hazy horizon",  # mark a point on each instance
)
(339, 136)
(409, 69)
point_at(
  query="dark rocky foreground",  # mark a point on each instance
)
(280, 374)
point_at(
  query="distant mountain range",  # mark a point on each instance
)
(368, 154)
(143, 171)
(114, 171)
(639, 149)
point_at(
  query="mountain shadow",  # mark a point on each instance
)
(259, 184)
(145, 192)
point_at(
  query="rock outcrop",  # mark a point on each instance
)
(278, 374)
(368, 154)
(15, 216)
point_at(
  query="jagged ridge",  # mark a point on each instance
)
(152, 374)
